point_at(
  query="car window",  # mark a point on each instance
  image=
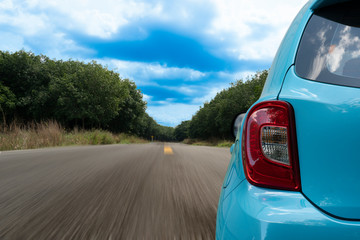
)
(329, 50)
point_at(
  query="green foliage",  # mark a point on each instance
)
(164, 133)
(214, 142)
(75, 94)
(90, 95)
(214, 119)
(225, 143)
(131, 111)
(99, 137)
(7, 102)
(181, 131)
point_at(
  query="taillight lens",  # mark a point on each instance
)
(269, 147)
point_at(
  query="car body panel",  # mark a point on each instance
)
(249, 212)
(233, 175)
(259, 213)
(233, 178)
(323, 3)
(285, 56)
(328, 131)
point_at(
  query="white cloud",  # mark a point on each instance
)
(35, 30)
(147, 97)
(234, 76)
(12, 42)
(6, 5)
(149, 71)
(236, 23)
(91, 17)
(241, 29)
(143, 73)
(232, 29)
(189, 90)
(28, 24)
(172, 114)
(211, 93)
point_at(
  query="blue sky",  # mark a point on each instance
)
(180, 53)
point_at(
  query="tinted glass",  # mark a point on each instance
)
(329, 50)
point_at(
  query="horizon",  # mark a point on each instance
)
(179, 54)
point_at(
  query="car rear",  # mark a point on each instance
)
(323, 87)
(300, 141)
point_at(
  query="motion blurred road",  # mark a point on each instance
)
(149, 191)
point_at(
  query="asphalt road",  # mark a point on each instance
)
(149, 191)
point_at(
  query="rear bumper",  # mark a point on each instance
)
(251, 212)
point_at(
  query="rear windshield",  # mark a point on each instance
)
(329, 50)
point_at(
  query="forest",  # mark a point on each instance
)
(34, 88)
(213, 120)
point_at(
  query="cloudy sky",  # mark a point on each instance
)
(180, 53)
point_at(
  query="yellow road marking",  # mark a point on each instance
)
(168, 150)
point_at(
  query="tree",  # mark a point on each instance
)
(181, 131)
(7, 102)
(35, 88)
(214, 119)
(131, 110)
(88, 94)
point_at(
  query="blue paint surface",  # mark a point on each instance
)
(328, 130)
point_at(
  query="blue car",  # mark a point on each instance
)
(295, 166)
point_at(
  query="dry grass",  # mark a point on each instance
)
(51, 134)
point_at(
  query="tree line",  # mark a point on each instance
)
(214, 119)
(75, 94)
(88, 95)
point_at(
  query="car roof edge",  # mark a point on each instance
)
(324, 3)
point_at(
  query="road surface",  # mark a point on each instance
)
(148, 191)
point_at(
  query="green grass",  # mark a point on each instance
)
(51, 134)
(225, 143)
(210, 142)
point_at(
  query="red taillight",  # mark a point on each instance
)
(269, 147)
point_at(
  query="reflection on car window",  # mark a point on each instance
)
(329, 50)
(344, 52)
